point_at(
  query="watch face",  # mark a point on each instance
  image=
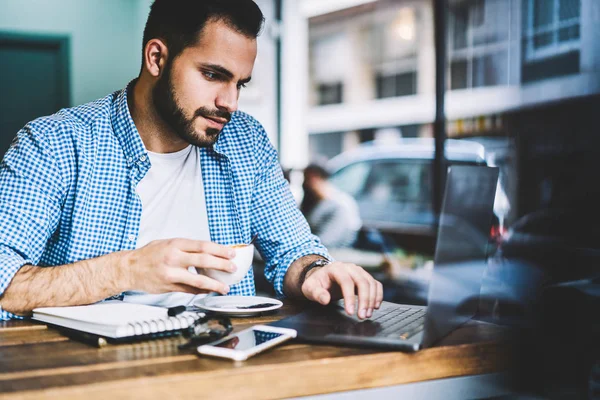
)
(316, 264)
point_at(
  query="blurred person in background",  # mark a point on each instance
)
(331, 213)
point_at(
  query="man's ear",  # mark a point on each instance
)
(155, 57)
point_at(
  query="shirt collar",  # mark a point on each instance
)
(124, 128)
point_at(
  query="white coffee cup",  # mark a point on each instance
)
(243, 260)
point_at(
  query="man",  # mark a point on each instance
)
(125, 193)
(331, 214)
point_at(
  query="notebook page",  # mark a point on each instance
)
(109, 313)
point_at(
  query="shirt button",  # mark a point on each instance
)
(132, 238)
(130, 159)
(143, 158)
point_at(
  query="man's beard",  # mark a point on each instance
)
(165, 103)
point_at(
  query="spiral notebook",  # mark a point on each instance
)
(116, 319)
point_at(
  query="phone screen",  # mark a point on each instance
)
(248, 339)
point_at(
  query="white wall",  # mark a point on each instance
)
(294, 141)
(105, 38)
(259, 99)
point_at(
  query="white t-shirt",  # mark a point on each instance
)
(173, 206)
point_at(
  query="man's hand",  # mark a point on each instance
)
(162, 266)
(159, 267)
(337, 280)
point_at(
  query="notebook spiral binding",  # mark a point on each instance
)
(162, 325)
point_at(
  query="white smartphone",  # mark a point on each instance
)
(244, 344)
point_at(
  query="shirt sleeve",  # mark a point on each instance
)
(30, 193)
(283, 233)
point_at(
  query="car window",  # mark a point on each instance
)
(351, 179)
(390, 190)
(406, 182)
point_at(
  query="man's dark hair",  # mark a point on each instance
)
(179, 22)
(319, 169)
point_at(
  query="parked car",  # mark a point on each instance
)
(392, 184)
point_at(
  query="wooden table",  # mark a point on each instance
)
(37, 362)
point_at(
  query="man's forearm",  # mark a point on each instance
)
(292, 287)
(83, 282)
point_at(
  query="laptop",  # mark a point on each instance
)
(453, 297)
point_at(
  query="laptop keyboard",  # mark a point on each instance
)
(400, 322)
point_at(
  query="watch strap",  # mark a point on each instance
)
(321, 262)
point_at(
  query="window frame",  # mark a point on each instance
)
(474, 51)
(384, 65)
(556, 48)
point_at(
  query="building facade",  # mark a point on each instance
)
(370, 66)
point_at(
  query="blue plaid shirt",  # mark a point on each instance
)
(68, 192)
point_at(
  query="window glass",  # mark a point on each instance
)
(330, 93)
(404, 182)
(543, 13)
(551, 33)
(490, 69)
(352, 178)
(479, 32)
(568, 9)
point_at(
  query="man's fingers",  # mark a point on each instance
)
(178, 287)
(346, 283)
(202, 282)
(372, 295)
(324, 297)
(208, 261)
(319, 294)
(364, 292)
(375, 293)
(199, 246)
(379, 294)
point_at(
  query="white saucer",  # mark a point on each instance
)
(229, 304)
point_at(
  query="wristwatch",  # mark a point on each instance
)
(321, 262)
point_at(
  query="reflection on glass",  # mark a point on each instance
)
(522, 79)
(248, 339)
(551, 28)
(479, 35)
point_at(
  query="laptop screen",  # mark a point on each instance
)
(461, 249)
